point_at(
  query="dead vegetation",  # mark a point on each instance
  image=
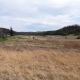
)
(40, 59)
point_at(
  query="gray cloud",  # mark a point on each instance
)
(38, 15)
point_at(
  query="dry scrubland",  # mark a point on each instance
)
(41, 58)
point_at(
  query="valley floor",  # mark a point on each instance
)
(41, 58)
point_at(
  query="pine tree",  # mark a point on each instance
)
(11, 31)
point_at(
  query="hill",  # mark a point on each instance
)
(4, 30)
(71, 29)
(67, 30)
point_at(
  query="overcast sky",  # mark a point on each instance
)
(39, 15)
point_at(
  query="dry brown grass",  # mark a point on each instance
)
(32, 60)
(39, 65)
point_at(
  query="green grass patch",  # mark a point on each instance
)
(3, 39)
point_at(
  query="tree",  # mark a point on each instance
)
(11, 31)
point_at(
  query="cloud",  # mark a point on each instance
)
(38, 15)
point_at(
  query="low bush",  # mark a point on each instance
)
(78, 37)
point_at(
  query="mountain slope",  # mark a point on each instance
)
(4, 30)
(71, 29)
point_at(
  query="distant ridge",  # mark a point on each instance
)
(67, 30)
(4, 30)
(71, 29)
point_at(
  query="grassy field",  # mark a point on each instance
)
(41, 58)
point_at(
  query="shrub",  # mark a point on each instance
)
(78, 37)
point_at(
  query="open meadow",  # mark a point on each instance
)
(40, 58)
